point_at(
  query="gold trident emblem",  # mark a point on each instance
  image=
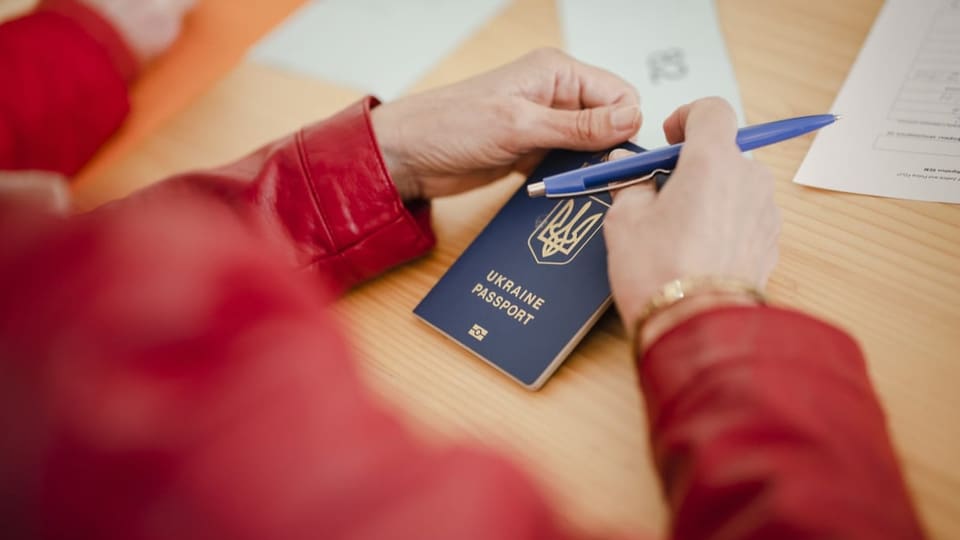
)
(562, 233)
(565, 230)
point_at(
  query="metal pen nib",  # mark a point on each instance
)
(537, 189)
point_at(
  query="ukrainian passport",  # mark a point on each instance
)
(531, 285)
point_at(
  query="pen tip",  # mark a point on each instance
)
(537, 189)
(837, 117)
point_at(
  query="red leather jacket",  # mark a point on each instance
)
(168, 370)
(65, 73)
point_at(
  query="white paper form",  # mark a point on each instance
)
(377, 46)
(672, 51)
(900, 132)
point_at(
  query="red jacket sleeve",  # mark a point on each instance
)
(324, 195)
(764, 425)
(64, 91)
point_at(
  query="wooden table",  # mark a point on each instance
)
(887, 270)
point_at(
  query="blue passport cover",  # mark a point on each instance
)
(531, 285)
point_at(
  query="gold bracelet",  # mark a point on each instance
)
(679, 289)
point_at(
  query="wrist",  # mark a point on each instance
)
(388, 139)
(666, 319)
(406, 184)
(681, 299)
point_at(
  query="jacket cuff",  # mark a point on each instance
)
(100, 30)
(362, 216)
(737, 334)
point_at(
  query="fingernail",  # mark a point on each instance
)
(625, 117)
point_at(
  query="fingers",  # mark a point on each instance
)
(707, 122)
(710, 122)
(673, 126)
(708, 128)
(571, 84)
(584, 129)
(636, 196)
(643, 193)
(599, 87)
(572, 105)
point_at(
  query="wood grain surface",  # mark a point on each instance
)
(886, 270)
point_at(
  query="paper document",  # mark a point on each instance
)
(376, 46)
(672, 51)
(900, 132)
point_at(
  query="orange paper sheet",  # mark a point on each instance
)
(215, 37)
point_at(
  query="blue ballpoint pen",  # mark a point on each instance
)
(647, 165)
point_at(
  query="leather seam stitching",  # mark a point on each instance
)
(401, 215)
(308, 178)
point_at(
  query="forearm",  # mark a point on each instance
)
(764, 425)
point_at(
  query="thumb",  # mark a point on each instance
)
(586, 129)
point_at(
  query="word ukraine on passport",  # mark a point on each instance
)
(510, 308)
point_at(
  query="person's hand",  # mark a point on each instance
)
(148, 26)
(715, 217)
(454, 138)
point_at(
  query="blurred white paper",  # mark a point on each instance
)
(672, 51)
(900, 132)
(376, 46)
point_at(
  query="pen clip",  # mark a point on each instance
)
(659, 177)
